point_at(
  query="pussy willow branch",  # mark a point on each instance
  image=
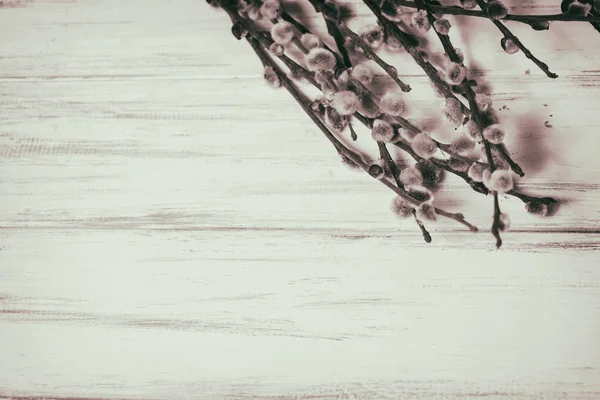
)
(508, 34)
(476, 186)
(451, 51)
(526, 19)
(305, 104)
(301, 71)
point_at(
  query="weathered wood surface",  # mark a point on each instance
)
(172, 228)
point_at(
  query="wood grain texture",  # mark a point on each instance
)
(172, 228)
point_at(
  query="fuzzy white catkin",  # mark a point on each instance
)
(485, 177)
(401, 207)
(282, 32)
(372, 35)
(496, 10)
(276, 49)
(421, 194)
(319, 59)
(310, 41)
(454, 118)
(446, 62)
(494, 134)
(455, 74)
(458, 165)
(420, 21)
(501, 181)
(442, 26)
(271, 77)
(424, 145)
(476, 172)
(270, 9)
(407, 134)
(345, 102)
(411, 177)
(362, 74)
(484, 102)
(382, 131)
(471, 130)
(468, 4)
(392, 103)
(343, 80)
(335, 121)
(453, 105)
(462, 145)
(351, 45)
(452, 111)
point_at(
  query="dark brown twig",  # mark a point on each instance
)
(526, 19)
(451, 51)
(385, 155)
(509, 35)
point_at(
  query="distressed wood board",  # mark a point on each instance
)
(173, 228)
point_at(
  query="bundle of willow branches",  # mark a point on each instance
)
(478, 156)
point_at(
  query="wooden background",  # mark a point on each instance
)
(172, 228)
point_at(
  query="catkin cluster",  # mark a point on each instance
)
(351, 92)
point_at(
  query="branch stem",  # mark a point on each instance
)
(509, 35)
(526, 19)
